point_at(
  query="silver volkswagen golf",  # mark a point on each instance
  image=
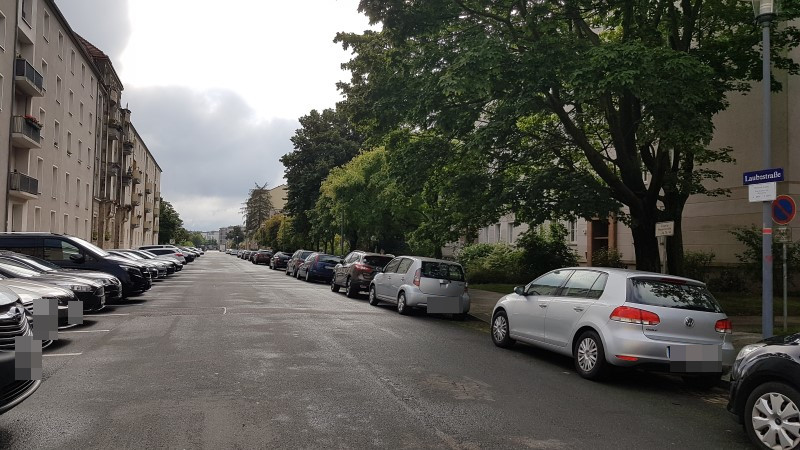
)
(415, 282)
(613, 317)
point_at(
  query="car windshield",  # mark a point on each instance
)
(377, 261)
(443, 270)
(304, 255)
(672, 294)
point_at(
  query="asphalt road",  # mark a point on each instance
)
(226, 354)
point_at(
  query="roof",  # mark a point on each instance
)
(95, 52)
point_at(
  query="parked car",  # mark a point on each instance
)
(13, 323)
(318, 266)
(173, 252)
(262, 257)
(174, 264)
(765, 392)
(617, 317)
(158, 269)
(415, 282)
(356, 271)
(29, 290)
(74, 253)
(91, 293)
(279, 260)
(112, 285)
(294, 262)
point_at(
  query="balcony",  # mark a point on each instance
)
(25, 133)
(113, 169)
(148, 226)
(23, 186)
(113, 133)
(149, 188)
(136, 202)
(113, 96)
(28, 79)
(148, 210)
(137, 179)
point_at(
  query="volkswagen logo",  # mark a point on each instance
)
(689, 322)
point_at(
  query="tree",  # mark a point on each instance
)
(267, 233)
(324, 141)
(571, 102)
(197, 239)
(171, 224)
(256, 209)
(236, 235)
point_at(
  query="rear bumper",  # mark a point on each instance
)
(454, 305)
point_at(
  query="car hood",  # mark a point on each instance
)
(121, 260)
(792, 339)
(59, 279)
(85, 274)
(29, 290)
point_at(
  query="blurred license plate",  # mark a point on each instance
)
(694, 358)
(443, 305)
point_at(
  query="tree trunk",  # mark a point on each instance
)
(645, 243)
(675, 251)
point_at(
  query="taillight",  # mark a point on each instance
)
(179, 254)
(724, 326)
(363, 267)
(634, 315)
(416, 278)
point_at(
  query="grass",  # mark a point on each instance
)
(500, 288)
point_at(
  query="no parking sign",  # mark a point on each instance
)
(783, 209)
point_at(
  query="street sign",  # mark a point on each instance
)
(764, 192)
(665, 228)
(172, 241)
(783, 209)
(782, 235)
(762, 176)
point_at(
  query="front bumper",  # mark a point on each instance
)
(92, 301)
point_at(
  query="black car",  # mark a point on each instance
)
(173, 265)
(279, 260)
(113, 286)
(765, 392)
(74, 253)
(13, 323)
(91, 293)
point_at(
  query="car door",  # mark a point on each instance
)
(532, 311)
(401, 277)
(383, 281)
(344, 269)
(61, 252)
(568, 305)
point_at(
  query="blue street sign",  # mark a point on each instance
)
(783, 210)
(763, 176)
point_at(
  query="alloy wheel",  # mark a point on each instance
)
(499, 328)
(776, 421)
(587, 354)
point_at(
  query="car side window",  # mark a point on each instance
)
(580, 284)
(405, 263)
(599, 286)
(21, 245)
(58, 250)
(392, 266)
(548, 284)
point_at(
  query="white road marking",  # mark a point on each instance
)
(85, 331)
(62, 354)
(224, 310)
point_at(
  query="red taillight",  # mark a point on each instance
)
(363, 267)
(634, 315)
(416, 278)
(179, 254)
(627, 358)
(724, 326)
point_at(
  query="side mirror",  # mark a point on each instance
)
(519, 290)
(80, 259)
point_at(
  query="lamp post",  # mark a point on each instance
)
(765, 11)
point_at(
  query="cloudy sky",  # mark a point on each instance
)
(216, 92)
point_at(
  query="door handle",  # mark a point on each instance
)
(578, 308)
(542, 305)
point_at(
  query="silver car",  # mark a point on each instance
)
(612, 317)
(416, 282)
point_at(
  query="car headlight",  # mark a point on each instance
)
(80, 288)
(747, 349)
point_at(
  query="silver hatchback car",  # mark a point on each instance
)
(415, 282)
(613, 317)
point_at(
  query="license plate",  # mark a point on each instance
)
(443, 305)
(694, 358)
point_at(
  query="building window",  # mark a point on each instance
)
(497, 232)
(53, 222)
(46, 27)
(61, 45)
(3, 31)
(572, 227)
(510, 233)
(56, 133)
(86, 227)
(83, 75)
(70, 102)
(2, 91)
(91, 122)
(37, 218)
(78, 192)
(91, 86)
(39, 170)
(44, 75)
(87, 195)
(59, 89)
(66, 223)
(80, 113)
(66, 188)
(72, 61)
(69, 143)
(77, 225)
(42, 116)
(27, 11)
(54, 186)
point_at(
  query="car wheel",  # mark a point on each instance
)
(297, 274)
(348, 288)
(373, 299)
(334, 286)
(500, 330)
(308, 277)
(402, 307)
(772, 416)
(590, 358)
(703, 382)
(287, 271)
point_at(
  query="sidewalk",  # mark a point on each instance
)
(482, 303)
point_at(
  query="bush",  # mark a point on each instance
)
(697, 264)
(491, 263)
(605, 257)
(543, 251)
(730, 280)
(751, 256)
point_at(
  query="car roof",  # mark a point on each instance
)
(631, 273)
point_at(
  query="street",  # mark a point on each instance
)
(227, 354)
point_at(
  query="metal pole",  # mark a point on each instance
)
(341, 237)
(766, 290)
(785, 312)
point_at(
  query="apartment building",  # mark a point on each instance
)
(54, 94)
(140, 191)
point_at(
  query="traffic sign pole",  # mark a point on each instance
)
(785, 277)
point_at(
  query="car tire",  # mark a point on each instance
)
(287, 271)
(348, 289)
(402, 307)
(373, 298)
(786, 394)
(334, 286)
(308, 277)
(500, 331)
(702, 382)
(590, 357)
(297, 274)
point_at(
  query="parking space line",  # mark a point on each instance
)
(224, 310)
(110, 314)
(85, 331)
(62, 354)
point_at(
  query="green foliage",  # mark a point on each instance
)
(236, 235)
(545, 250)
(256, 209)
(696, 265)
(492, 263)
(730, 280)
(751, 257)
(170, 223)
(267, 233)
(606, 257)
(288, 240)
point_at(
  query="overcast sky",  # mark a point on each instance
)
(216, 92)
